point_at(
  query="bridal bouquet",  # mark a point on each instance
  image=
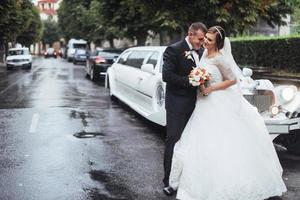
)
(199, 77)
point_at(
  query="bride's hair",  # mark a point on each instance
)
(220, 35)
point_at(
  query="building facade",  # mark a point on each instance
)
(48, 8)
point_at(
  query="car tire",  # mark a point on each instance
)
(290, 141)
(29, 66)
(8, 67)
(93, 75)
(74, 62)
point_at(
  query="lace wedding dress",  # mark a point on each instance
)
(225, 151)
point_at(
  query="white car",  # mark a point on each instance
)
(136, 79)
(18, 57)
(74, 44)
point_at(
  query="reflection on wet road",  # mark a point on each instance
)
(63, 138)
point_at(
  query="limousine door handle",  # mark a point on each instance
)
(140, 78)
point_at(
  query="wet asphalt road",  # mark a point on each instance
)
(63, 138)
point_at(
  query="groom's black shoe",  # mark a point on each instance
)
(169, 191)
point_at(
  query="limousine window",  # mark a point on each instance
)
(153, 59)
(136, 58)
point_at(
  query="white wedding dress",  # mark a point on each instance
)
(225, 151)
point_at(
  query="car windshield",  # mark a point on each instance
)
(80, 51)
(50, 50)
(16, 52)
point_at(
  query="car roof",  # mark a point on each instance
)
(151, 48)
(22, 48)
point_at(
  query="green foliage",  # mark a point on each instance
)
(275, 52)
(126, 18)
(296, 21)
(95, 20)
(51, 32)
(19, 19)
(72, 18)
(33, 32)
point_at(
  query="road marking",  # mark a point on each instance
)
(34, 123)
(19, 80)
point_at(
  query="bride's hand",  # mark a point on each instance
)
(206, 91)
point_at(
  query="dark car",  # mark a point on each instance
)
(79, 56)
(50, 52)
(99, 60)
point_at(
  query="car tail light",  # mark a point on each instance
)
(54, 53)
(100, 59)
(45, 53)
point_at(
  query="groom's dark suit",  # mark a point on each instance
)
(180, 96)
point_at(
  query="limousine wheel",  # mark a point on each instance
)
(8, 67)
(290, 141)
(159, 97)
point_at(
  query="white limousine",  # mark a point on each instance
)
(136, 79)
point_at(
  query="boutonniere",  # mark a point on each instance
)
(188, 55)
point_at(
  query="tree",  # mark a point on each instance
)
(17, 18)
(50, 32)
(33, 32)
(108, 19)
(126, 18)
(234, 15)
(71, 18)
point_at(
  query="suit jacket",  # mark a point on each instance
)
(180, 95)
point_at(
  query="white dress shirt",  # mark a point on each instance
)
(195, 55)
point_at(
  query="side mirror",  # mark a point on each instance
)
(115, 58)
(247, 72)
(148, 68)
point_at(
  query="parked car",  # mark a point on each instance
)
(79, 56)
(62, 52)
(50, 52)
(18, 57)
(136, 79)
(99, 60)
(74, 44)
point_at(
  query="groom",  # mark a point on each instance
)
(179, 59)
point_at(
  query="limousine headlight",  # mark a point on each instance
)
(288, 93)
(160, 95)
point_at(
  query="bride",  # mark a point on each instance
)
(225, 151)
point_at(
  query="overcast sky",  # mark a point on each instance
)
(34, 1)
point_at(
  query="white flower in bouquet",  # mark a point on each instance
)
(199, 76)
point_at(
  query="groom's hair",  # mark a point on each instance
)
(197, 26)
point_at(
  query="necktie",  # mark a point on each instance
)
(197, 51)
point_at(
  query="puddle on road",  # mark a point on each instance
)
(84, 134)
(111, 190)
(81, 115)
